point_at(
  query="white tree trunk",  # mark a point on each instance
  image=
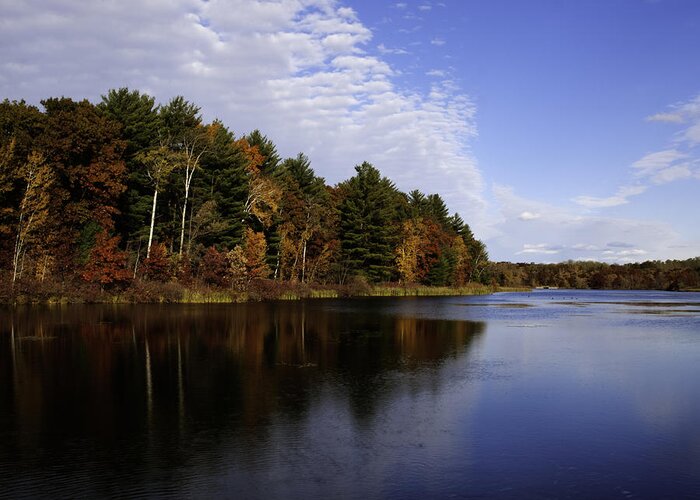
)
(153, 222)
(303, 264)
(184, 214)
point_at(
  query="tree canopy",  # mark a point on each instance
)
(129, 191)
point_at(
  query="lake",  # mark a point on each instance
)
(553, 393)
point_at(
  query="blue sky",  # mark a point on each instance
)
(558, 129)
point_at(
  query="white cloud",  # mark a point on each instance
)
(297, 69)
(680, 113)
(539, 248)
(568, 233)
(673, 173)
(528, 216)
(383, 49)
(653, 163)
(679, 161)
(580, 233)
(666, 117)
(620, 198)
(692, 134)
(437, 41)
(584, 247)
(424, 7)
(436, 72)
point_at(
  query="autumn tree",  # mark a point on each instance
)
(267, 150)
(255, 253)
(20, 126)
(157, 266)
(305, 209)
(237, 272)
(33, 208)
(409, 249)
(263, 200)
(214, 268)
(84, 151)
(107, 264)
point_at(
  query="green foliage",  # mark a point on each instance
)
(178, 117)
(136, 113)
(86, 240)
(223, 181)
(140, 124)
(267, 149)
(368, 223)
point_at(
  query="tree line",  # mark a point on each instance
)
(128, 191)
(649, 275)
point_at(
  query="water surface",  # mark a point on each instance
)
(554, 393)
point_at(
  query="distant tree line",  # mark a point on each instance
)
(657, 275)
(126, 191)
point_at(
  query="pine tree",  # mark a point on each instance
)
(138, 116)
(369, 223)
(223, 181)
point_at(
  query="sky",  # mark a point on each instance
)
(557, 129)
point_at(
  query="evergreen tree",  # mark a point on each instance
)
(177, 119)
(223, 181)
(437, 210)
(267, 149)
(138, 116)
(369, 223)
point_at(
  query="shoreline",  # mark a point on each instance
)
(173, 293)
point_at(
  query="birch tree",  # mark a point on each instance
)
(264, 194)
(159, 163)
(194, 145)
(33, 207)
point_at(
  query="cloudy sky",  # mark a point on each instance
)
(559, 130)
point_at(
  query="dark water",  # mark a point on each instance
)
(541, 395)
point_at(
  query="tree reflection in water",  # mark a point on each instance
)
(148, 389)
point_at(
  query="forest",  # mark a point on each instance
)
(650, 275)
(146, 200)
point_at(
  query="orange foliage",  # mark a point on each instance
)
(107, 265)
(255, 252)
(157, 266)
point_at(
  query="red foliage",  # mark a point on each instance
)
(214, 268)
(433, 241)
(183, 272)
(157, 266)
(107, 265)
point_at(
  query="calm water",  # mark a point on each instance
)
(547, 394)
